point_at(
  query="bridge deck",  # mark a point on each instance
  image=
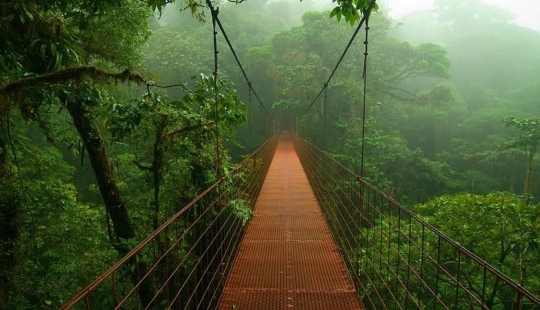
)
(288, 259)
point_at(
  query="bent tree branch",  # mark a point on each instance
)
(68, 75)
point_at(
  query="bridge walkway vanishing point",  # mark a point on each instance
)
(288, 259)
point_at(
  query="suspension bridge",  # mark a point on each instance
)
(320, 237)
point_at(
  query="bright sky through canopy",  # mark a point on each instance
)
(526, 12)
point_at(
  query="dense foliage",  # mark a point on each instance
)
(148, 153)
(93, 154)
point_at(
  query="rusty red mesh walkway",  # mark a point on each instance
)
(288, 259)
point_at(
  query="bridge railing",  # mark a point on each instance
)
(397, 260)
(184, 264)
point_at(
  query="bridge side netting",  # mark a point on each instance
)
(397, 260)
(185, 263)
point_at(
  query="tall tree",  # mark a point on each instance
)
(529, 139)
(46, 43)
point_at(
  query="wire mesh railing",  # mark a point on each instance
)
(184, 264)
(397, 260)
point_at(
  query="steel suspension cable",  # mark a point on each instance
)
(353, 37)
(213, 228)
(325, 107)
(364, 113)
(215, 13)
(237, 60)
(250, 119)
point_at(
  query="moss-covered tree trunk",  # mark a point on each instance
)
(9, 232)
(10, 204)
(101, 165)
(108, 188)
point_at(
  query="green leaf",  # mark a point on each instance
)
(336, 10)
(53, 49)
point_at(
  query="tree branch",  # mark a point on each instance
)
(391, 94)
(70, 75)
(141, 166)
(172, 86)
(407, 92)
(410, 70)
(173, 133)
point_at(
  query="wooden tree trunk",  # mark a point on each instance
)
(4, 168)
(110, 193)
(9, 232)
(157, 167)
(101, 165)
(529, 171)
(10, 203)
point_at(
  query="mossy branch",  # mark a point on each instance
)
(68, 75)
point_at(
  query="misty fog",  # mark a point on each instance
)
(440, 83)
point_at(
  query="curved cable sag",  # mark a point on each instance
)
(238, 61)
(365, 16)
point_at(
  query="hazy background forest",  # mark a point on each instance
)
(453, 122)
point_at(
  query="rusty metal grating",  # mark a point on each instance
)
(288, 259)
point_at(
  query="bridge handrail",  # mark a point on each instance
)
(132, 254)
(300, 144)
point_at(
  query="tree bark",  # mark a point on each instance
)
(10, 204)
(157, 167)
(9, 232)
(4, 171)
(110, 193)
(65, 76)
(529, 171)
(101, 165)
